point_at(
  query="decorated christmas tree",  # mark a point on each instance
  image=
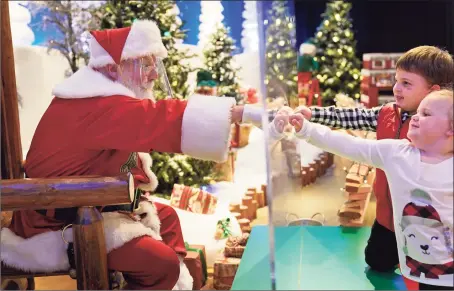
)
(70, 19)
(281, 74)
(339, 67)
(218, 60)
(169, 168)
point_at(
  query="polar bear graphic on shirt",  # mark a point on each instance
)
(427, 241)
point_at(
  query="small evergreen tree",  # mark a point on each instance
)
(281, 73)
(340, 68)
(218, 60)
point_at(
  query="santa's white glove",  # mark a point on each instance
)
(253, 114)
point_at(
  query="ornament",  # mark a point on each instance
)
(223, 229)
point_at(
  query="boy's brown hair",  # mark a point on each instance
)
(432, 63)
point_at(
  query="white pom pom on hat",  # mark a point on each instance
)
(111, 46)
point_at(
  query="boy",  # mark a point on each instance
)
(419, 71)
(420, 174)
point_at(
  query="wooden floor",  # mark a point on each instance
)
(323, 196)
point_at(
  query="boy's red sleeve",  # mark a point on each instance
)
(121, 123)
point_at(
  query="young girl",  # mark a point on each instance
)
(420, 173)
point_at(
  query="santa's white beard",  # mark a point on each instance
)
(143, 93)
(146, 94)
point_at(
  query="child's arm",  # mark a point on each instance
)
(371, 152)
(345, 118)
(277, 125)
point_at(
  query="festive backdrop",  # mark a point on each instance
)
(191, 12)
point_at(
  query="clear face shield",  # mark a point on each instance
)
(147, 77)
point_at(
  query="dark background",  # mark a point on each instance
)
(386, 26)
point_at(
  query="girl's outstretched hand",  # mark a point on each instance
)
(297, 121)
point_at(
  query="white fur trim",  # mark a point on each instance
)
(185, 280)
(151, 220)
(119, 229)
(87, 83)
(206, 127)
(143, 39)
(46, 252)
(147, 162)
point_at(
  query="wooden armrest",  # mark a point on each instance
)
(66, 192)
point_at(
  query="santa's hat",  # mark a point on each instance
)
(110, 46)
(420, 211)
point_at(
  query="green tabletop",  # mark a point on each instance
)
(312, 258)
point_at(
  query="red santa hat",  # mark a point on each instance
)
(420, 210)
(111, 46)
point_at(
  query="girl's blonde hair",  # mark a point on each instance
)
(446, 94)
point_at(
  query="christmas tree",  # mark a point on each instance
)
(218, 60)
(281, 74)
(70, 19)
(339, 70)
(169, 168)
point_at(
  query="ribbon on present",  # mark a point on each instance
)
(202, 260)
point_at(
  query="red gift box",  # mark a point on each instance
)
(193, 199)
(195, 260)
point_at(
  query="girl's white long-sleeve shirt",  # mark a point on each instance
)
(422, 198)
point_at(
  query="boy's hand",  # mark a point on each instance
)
(305, 111)
(297, 121)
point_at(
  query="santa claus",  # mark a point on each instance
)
(103, 120)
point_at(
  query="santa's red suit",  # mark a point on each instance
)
(95, 126)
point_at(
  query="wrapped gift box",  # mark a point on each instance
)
(192, 199)
(224, 272)
(195, 260)
(235, 246)
(226, 170)
(240, 135)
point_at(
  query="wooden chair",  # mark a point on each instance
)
(82, 192)
(64, 192)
